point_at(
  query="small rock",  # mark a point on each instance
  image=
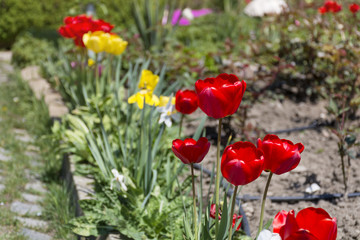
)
(33, 223)
(3, 155)
(313, 188)
(34, 235)
(36, 186)
(31, 198)
(25, 208)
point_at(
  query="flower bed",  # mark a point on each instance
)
(125, 116)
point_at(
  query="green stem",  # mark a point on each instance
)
(181, 123)
(194, 201)
(341, 149)
(232, 211)
(217, 185)
(97, 75)
(263, 203)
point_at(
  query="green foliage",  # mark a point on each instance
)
(29, 50)
(17, 16)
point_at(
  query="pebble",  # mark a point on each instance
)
(34, 235)
(32, 223)
(35, 186)
(31, 198)
(25, 208)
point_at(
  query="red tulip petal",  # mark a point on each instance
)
(290, 226)
(279, 221)
(318, 222)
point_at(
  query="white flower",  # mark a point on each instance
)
(167, 113)
(259, 8)
(119, 178)
(267, 235)
(187, 13)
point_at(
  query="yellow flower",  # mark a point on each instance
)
(148, 80)
(150, 98)
(95, 41)
(115, 45)
(164, 100)
(91, 62)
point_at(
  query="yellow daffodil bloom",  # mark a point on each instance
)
(164, 100)
(91, 62)
(96, 41)
(148, 80)
(150, 98)
(115, 45)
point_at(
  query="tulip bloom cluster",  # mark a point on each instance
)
(100, 41)
(243, 162)
(76, 27)
(330, 6)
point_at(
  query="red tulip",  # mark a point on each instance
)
(322, 10)
(76, 27)
(235, 216)
(280, 155)
(189, 151)
(221, 96)
(332, 6)
(186, 101)
(309, 224)
(241, 163)
(354, 8)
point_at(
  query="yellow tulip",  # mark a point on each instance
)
(95, 41)
(150, 98)
(164, 101)
(148, 80)
(115, 45)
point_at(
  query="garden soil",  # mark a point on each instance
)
(320, 163)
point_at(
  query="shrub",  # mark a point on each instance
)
(28, 50)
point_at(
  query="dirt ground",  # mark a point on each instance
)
(320, 164)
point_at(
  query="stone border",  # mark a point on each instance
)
(80, 187)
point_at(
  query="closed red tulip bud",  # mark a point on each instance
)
(309, 224)
(235, 216)
(189, 151)
(221, 96)
(280, 155)
(354, 8)
(186, 101)
(242, 163)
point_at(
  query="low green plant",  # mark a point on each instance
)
(28, 50)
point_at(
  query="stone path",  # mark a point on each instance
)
(26, 210)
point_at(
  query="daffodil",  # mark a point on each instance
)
(91, 62)
(96, 41)
(150, 98)
(118, 178)
(115, 45)
(148, 80)
(165, 99)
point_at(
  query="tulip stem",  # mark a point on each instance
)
(263, 203)
(181, 123)
(232, 212)
(217, 190)
(194, 201)
(97, 75)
